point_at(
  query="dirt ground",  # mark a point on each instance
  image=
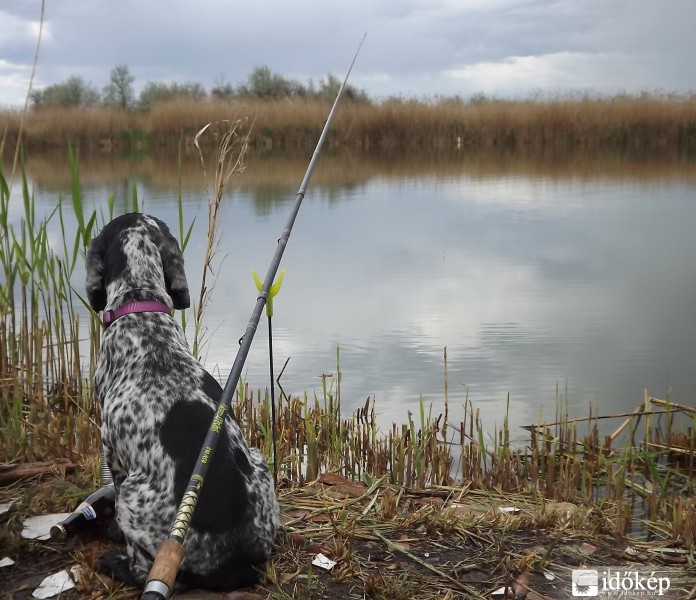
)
(387, 543)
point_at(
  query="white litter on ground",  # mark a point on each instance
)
(510, 510)
(323, 562)
(39, 528)
(56, 584)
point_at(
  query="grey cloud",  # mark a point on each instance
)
(410, 45)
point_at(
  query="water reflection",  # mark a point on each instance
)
(572, 272)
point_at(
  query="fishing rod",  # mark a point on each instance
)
(170, 552)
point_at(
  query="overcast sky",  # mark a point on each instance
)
(421, 48)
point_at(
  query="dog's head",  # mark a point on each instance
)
(135, 251)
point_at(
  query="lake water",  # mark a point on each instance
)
(542, 276)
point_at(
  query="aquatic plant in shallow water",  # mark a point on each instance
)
(47, 408)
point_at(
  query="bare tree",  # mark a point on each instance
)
(119, 91)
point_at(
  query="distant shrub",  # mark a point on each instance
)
(328, 90)
(73, 92)
(155, 92)
(263, 83)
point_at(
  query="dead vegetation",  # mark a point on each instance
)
(386, 541)
(626, 121)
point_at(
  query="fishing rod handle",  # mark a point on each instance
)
(160, 582)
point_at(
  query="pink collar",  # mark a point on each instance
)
(110, 316)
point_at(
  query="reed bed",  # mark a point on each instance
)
(640, 476)
(643, 121)
(82, 127)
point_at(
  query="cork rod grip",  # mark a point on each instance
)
(169, 556)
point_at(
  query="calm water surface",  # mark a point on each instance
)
(540, 278)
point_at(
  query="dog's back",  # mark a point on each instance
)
(157, 405)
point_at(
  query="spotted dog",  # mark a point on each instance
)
(157, 404)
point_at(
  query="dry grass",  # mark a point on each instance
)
(624, 122)
(389, 542)
(60, 126)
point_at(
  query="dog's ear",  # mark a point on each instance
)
(94, 267)
(173, 267)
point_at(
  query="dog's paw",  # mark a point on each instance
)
(117, 565)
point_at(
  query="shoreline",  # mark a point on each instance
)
(387, 542)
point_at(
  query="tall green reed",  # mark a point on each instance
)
(47, 406)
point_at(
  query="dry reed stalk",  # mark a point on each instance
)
(23, 114)
(230, 161)
(673, 405)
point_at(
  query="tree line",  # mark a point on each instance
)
(119, 92)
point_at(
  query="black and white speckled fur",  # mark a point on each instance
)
(157, 404)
